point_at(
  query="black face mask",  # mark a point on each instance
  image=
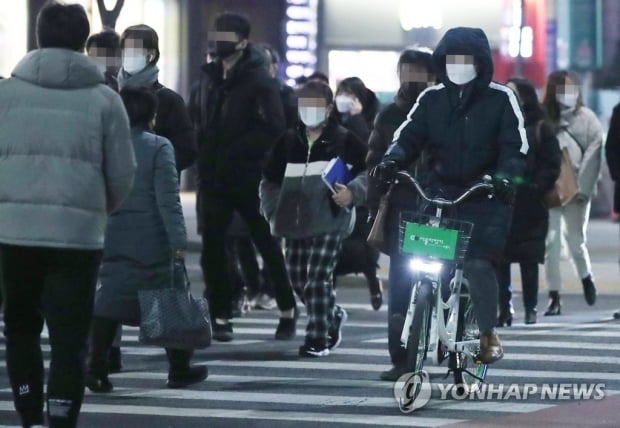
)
(225, 49)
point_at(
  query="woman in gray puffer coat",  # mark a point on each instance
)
(141, 241)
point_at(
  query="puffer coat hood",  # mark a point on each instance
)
(56, 68)
(465, 41)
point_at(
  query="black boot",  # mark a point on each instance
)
(589, 290)
(530, 316)
(505, 315)
(102, 335)
(181, 374)
(554, 307)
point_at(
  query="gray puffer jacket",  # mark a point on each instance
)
(66, 159)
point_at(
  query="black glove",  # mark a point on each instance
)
(385, 171)
(505, 191)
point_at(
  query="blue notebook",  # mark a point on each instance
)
(336, 171)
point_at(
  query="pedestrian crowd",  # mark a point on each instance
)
(92, 148)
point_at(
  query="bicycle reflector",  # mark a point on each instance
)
(419, 265)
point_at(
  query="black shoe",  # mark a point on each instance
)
(505, 316)
(313, 349)
(376, 300)
(98, 383)
(530, 316)
(114, 360)
(287, 327)
(589, 290)
(222, 332)
(187, 377)
(376, 291)
(554, 307)
(335, 332)
(393, 374)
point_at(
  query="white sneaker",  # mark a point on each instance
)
(264, 301)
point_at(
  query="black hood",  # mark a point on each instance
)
(465, 41)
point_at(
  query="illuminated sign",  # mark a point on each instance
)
(301, 31)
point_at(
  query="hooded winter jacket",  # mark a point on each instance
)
(66, 157)
(239, 119)
(469, 132)
(294, 198)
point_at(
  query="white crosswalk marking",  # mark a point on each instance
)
(255, 378)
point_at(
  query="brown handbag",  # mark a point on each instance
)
(376, 237)
(565, 187)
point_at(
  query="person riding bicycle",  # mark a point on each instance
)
(469, 127)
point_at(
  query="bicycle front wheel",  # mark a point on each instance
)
(417, 343)
(468, 373)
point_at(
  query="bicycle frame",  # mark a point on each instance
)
(442, 333)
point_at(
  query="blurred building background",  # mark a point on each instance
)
(343, 38)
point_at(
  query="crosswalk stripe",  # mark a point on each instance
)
(274, 322)
(508, 355)
(317, 399)
(537, 344)
(560, 344)
(525, 332)
(345, 418)
(374, 368)
(287, 380)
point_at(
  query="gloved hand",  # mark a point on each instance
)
(385, 171)
(505, 191)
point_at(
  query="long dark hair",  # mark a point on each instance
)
(550, 103)
(529, 100)
(368, 99)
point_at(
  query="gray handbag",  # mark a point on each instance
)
(172, 317)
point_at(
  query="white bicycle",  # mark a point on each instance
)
(434, 326)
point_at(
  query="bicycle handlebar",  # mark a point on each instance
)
(484, 185)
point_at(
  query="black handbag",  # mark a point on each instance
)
(172, 317)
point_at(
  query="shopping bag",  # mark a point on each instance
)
(172, 317)
(565, 187)
(376, 237)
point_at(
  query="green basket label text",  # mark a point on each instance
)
(430, 241)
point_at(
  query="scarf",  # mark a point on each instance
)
(142, 79)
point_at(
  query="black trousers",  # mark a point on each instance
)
(244, 269)
(103, 333)
(216, 215)
(529, 280)
(55, 286)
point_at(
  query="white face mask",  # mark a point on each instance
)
(568, 100)
(343, 103)
(312, 117)
(461, 74)
(134, 64)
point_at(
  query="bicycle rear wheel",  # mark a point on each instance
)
(417, 343)
(468, 373)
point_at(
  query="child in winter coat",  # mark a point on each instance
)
(312, 220)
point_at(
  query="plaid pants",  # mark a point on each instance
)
(311, 264)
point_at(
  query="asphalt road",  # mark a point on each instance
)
(255, 381)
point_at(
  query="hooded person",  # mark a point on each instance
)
(469, 127)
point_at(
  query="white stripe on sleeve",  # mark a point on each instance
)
(517, 111)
